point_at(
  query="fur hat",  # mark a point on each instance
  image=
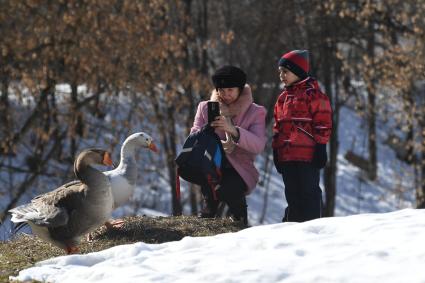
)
(296, 61)
(229, 76)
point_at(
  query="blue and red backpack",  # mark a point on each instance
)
(201, 159)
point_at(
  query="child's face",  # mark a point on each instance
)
(228, 95)
(287, 77)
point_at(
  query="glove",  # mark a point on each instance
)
(320, 156)
(276, 161)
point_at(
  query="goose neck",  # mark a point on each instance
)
(89, 175)
(127, 151)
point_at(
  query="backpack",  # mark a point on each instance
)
(201, 159)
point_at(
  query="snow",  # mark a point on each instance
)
(363, 248)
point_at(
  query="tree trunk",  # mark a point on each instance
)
(373, 168)
(332, 167)
(268, 168)
(329, 72)
(75, 122)
(371, 110)
(327, 61)
(4, 115)
(420, 190)
(408, 143)
(171, 155)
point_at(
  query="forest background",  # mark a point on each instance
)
(79, 73)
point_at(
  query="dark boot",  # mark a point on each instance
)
(209, 208)
(242, 219)
(239, 210)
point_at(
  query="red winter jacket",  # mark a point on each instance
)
(303, 117)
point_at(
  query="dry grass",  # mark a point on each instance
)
(25, 250)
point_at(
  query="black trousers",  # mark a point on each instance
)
(231, 191)
(302, 191)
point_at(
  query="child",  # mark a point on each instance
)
(241, 127)
(303, 123)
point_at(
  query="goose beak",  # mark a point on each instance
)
(107, 159)
(153, 147)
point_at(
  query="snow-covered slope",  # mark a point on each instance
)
(361, 248)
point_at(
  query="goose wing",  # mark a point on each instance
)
(51, 209)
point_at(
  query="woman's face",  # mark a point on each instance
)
(287, 77)
(228, 95)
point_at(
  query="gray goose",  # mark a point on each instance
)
(65, 214)
(123, 178)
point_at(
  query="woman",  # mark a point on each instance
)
(241, 128)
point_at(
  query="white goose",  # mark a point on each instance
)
(123, 178)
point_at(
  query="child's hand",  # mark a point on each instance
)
(320, 156)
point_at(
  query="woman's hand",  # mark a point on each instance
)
(221, 123)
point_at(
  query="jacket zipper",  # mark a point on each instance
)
(305, 132)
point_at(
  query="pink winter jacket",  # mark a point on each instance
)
(250, 119)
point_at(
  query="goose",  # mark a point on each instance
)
(74, 209)
(123, 178)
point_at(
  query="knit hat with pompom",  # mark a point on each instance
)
(296, 61)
